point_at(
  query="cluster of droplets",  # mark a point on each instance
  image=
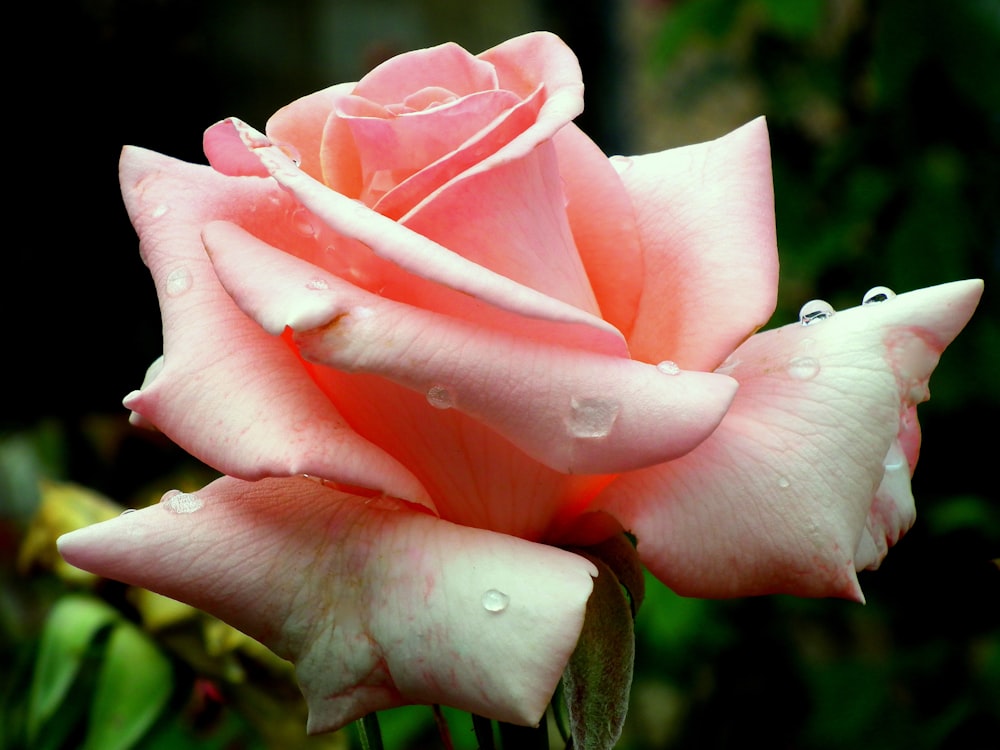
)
(816, 310)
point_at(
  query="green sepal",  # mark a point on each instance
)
(598, 678)
(619, 554)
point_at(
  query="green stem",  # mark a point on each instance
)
(369, 732)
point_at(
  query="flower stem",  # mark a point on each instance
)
(442, 726)
(369, 732)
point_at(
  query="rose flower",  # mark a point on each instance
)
(438, 343)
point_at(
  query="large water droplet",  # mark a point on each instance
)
(668, 367)
(592, 417)
(877, 294)
(179, 281)
(814, 311)
(495, 601)
(803, 368)
(440, 397)
(176, 501)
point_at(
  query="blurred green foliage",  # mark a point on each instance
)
(885, 128)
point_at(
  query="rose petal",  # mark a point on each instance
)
(426, 259)
(241, 401)
(602, 220)
(446, 66)
(303, 123)
(378, 606)
(574, 411)
(705, 217)
(512, 220)
(778, 498)
(392, 148)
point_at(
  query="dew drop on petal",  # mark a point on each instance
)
(176, 501)
(302, 222)
(592, 417)
(160, 211)
(668, 367)
(495, 601)
(440, 397)
(803, 368)
(877, 294)
(179, 281)
(815, 311)
(784, 483)
(317, 284)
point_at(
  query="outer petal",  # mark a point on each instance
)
(705, 217)
(378, 606)
(574, 411)
(779, 497)
(241, 401)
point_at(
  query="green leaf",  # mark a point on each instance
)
(133, 686)
(72, 624)
(598, 677)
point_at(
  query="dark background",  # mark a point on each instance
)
(885, 129)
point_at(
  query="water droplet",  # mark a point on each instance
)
(803, 368)
(440, 397)
(668, 367)
(877, 294)
(317, 284)
(160, 211)
(815, 311)
(127, 511)
(495, 601)
(592, 417)
(176, 501)
(302, 222)
(620, 163)
(784, 483)
(179, 281)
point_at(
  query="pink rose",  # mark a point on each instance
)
(483, 341)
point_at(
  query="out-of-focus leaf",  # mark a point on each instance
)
(74, 622)
(133, 687)
(64, 507)
(795, 18)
